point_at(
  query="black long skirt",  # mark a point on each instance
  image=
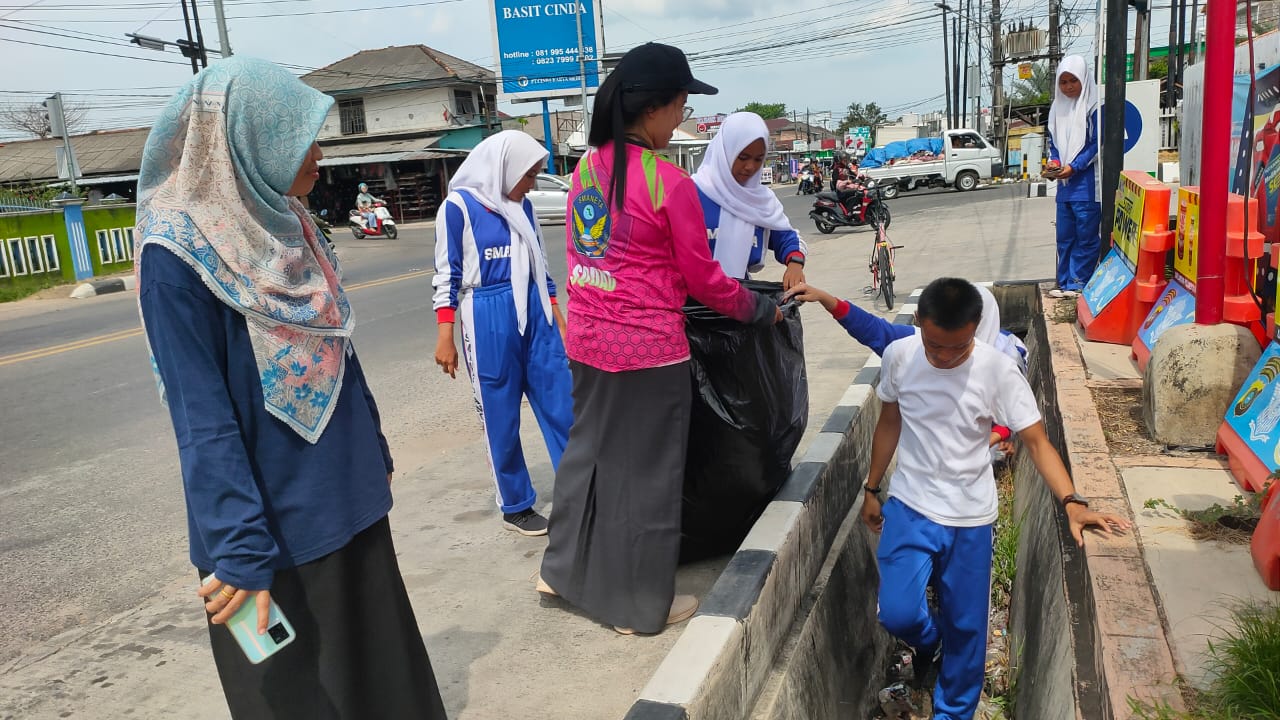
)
(358, 653)
(615, 517)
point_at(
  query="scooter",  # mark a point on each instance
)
(384, 227)
(806, 183)
(863, 206)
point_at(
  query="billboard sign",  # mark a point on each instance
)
(536, 47)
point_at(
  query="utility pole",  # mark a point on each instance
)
(224, 43)
(1117, 35)
(946, 63)
(968, 7)
(200, 49)
(186, 20)
(955, 67)
(808, 129)
(582, 68)
(997, 77)
(1170, 96)
(1142, 41)
(1055, 37)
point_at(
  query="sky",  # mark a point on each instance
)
(818, 55)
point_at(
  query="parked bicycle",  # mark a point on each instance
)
(881, 265)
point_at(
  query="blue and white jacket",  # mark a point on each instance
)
(784, 244)
(473, 249)
(1080, 186)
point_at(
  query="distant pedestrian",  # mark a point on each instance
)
(1073, 148)
(744, 218)
(636, 249)
(491, 269)
(286, 471)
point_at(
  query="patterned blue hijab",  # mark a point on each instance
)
(212, 190)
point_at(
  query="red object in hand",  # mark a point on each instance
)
(1054, 164)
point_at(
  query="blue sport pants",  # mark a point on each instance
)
(504, 367)
(914, 551)
(1078, 239)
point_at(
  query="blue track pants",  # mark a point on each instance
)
(914, 551)
(504, 367)
(1078, 239)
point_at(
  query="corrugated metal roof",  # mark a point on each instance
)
(394, 66)
(111, 152)
(377, 147)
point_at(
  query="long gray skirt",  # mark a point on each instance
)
(615, 516)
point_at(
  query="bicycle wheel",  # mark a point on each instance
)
(884, 269)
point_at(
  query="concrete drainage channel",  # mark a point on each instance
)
(789, 630)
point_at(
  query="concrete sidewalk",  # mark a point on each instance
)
(498, 649)
(1161, 595)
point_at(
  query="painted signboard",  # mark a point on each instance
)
(1187, 243)
(1113, 275)
(537, 51)
(1254, 415)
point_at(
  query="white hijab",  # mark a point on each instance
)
(989, 329)
(1069, 119)
(488, 174)
(743, 208)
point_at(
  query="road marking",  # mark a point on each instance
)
(40, 353)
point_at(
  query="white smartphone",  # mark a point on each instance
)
(244, 627)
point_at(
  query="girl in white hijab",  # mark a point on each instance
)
(491, 270)
(743, 216)
(1073, 148)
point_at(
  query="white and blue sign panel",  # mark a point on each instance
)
(537, 51)
(1112, 276)
(1177, 306)
(1141, 124)
(1255, 413)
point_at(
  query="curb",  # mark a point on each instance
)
(1131, 650)
(103, 287)
(723, 658)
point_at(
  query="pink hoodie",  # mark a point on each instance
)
(630, 271)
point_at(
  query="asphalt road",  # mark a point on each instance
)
(90, 498)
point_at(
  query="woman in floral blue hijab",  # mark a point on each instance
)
(286, 470)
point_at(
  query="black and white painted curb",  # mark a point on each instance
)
(103, 287)
(722, 659)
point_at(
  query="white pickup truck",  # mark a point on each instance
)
(966, 159)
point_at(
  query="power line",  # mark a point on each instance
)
(92, 52)
(427, 3)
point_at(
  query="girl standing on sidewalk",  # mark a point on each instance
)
(743, 216)
(1073, 148)
(491, 268)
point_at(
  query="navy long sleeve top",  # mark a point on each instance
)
(874, 332)
(260, 498)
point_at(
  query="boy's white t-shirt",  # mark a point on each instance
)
(944, 465)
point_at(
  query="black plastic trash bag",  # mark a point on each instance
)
(750, 407)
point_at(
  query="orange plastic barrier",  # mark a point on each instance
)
(1265, 545)
(1141, 222)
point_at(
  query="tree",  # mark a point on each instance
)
(863, 115)
(34, 119)
(768, 111)
(1036, 91)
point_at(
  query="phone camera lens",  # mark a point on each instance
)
(278, 633)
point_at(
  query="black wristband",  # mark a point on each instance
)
(874, 491)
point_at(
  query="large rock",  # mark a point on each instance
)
(1194, 373)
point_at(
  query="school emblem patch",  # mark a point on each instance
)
(591, 223)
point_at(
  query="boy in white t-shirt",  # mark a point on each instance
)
(941, 392)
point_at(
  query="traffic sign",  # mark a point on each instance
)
(702, 127)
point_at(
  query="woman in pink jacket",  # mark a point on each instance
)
(637, 248)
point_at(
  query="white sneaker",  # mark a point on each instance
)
(1071, 293)
(1057, 293)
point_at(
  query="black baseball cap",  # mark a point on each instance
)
(654, 66)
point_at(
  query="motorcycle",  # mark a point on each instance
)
(385, 225)
(858, 207)
(808, 184)
(326, 230)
